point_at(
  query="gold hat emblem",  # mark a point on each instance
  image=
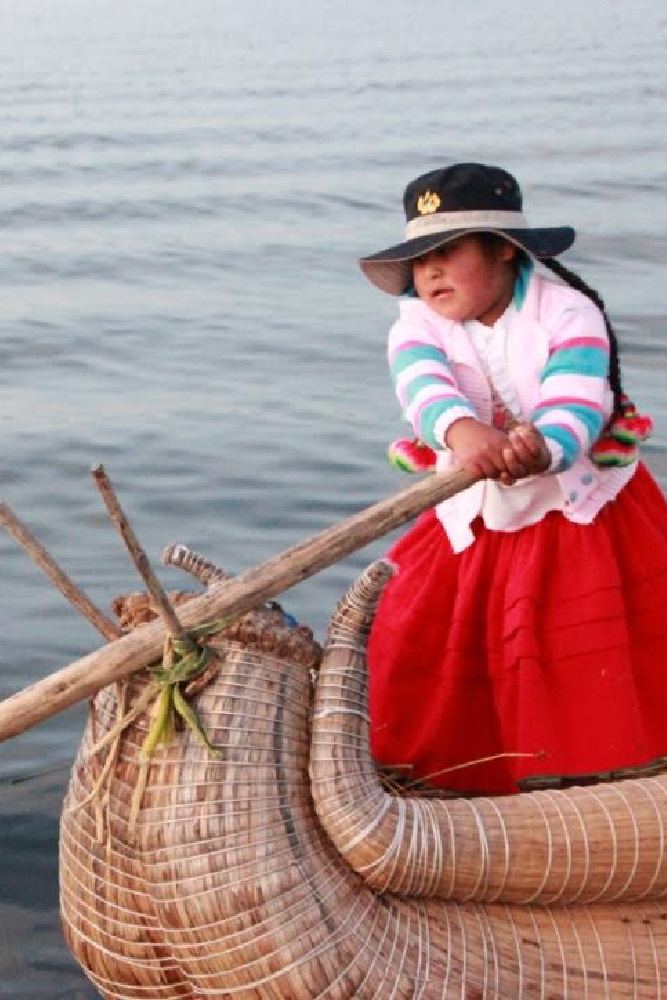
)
(428, 203)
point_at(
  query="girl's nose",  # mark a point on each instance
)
(434, 263)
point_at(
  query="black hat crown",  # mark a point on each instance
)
(462, 187)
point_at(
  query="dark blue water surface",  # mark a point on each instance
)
(184, 189)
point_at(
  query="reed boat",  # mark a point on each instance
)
(284, 866)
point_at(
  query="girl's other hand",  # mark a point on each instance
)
(481, 449)
(525, 454)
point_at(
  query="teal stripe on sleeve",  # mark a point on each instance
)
(565, 438)
(590, 418)
(413, 355)
(430, 415)
(577, 361)
(430, 382)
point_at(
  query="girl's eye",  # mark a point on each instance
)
(431, 258)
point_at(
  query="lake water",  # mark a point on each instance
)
(184, 190)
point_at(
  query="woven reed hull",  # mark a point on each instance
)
(232, 885)
(603, 843)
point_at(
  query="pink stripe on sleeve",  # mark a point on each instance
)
(558, 401)
(597, 342)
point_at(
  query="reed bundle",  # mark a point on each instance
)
(285, 870)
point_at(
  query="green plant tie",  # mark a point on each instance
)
(183, 660)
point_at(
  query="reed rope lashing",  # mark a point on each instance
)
(183, 660)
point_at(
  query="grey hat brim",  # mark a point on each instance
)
(391, 270)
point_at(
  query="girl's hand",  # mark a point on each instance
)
(481, 449)
(525, 454)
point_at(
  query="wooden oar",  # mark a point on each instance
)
(124, 656)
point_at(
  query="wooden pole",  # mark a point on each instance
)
(47, 563)
(137, 553)
(118, 659)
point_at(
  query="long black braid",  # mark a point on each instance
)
(574, 281)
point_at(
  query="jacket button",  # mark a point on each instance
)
(573, 495)
(587, 479)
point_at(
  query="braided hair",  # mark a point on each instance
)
(574, 281)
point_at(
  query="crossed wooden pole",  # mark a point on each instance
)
(125, 654)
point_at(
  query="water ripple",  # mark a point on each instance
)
(185, 191)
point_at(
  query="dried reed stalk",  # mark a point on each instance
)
(137, 553)
(21, 534)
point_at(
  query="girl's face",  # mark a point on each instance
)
(467, 279)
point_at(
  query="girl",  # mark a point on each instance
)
(523, 642)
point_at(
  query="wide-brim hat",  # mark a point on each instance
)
(455, 201)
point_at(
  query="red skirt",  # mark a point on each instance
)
(544, 648)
